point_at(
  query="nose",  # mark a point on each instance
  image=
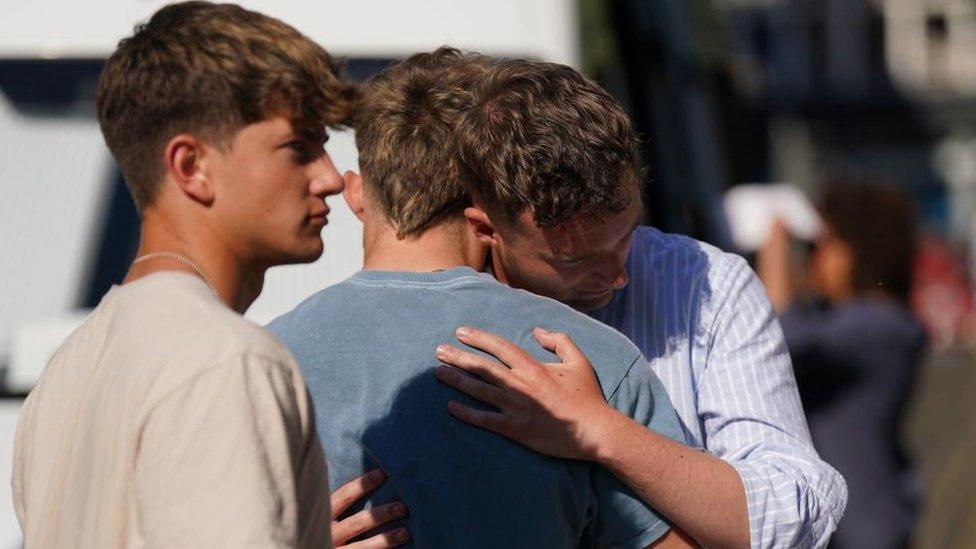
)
(324, 178)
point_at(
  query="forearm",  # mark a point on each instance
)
(560, 411)
(699, 493)
(773, 266)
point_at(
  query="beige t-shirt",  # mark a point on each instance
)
(167, 420)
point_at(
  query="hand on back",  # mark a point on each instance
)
(556, 409)
(349, 528)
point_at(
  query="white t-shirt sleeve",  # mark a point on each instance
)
(230, 458)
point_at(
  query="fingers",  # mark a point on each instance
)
(489, 394)
(487, 370)
(562, 345)
(393, 538)
(352, 491)
(366, 520)
(492, 421)
(504, 350)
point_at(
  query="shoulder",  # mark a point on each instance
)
(147, 342)
(611, 353)
(246, 375)
(230, 400)
(683, 257)
(188, 328)
(538, 308)
(316, 312)
(678, 274)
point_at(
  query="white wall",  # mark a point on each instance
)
(365, 28)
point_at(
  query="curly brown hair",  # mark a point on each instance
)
(405, 137)
(543, 137)
(211, 69)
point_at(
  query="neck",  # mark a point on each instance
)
(498, 270)
(444, 246)
(234, 281)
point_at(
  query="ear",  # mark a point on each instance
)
(481, 224)
(185, 157)
(353, 193)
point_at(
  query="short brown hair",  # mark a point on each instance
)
(406, 141)
(543, 137)
(211, 69)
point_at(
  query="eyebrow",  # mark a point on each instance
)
(311, 137)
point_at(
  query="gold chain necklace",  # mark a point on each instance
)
(182, 259)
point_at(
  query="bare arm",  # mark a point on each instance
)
(773, 267)
(700, 493)
(348, 528)
(559, 410)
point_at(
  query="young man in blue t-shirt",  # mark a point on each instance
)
(366, 346)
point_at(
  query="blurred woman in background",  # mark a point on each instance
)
(855, 348)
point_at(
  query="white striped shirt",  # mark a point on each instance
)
(702, 319)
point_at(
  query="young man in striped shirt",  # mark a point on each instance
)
(699, 315)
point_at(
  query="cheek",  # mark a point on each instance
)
(562, 282)
(821, 267)
(832, 266)
(532, 273)
(281, 195)
(844, 268)
(572, 277)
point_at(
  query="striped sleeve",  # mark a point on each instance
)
(752, 417)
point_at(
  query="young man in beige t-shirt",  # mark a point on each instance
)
(166, 419)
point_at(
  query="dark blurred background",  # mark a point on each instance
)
(821, 93)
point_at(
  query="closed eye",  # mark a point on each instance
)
(305, 151)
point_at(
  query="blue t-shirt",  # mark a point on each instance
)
(366, 347)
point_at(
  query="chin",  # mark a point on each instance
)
(306, 252)
(312, 254)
